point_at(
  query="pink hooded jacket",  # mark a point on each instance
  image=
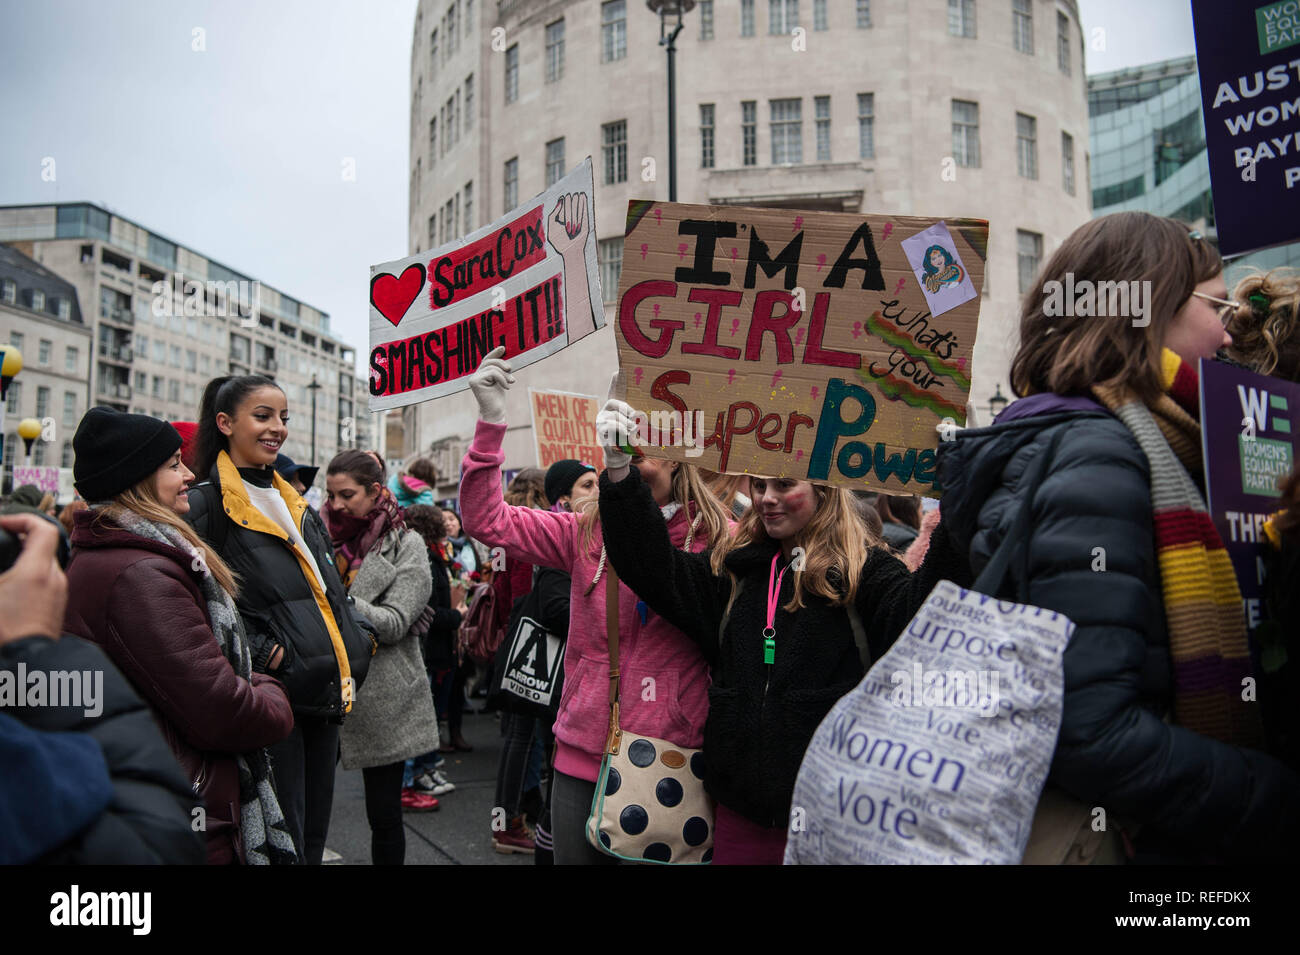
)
(665, 680)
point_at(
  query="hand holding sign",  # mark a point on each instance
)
(490, 383)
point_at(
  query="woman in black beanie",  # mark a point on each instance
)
(161, 604)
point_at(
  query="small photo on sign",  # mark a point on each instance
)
(938, 268)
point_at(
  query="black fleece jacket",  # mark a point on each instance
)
(761, 716)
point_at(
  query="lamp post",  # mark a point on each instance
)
(11, 363)
(998, 401)
(313, 388)
(670, 18)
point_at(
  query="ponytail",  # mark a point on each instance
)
(221, 396)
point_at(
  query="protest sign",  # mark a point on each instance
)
(45, 478)
(565, 427)
(529, 281)
(1248, 443)
(803, 345)
(1249, 67)
(940, 754)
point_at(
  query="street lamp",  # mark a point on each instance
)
(998, 401)
(670, 17)
(313, 388)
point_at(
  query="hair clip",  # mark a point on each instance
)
(1195, 234)
(1259, 300)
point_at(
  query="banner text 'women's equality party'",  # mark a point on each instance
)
(827, 347)
(529, 281)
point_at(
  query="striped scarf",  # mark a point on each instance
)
(1203, 608)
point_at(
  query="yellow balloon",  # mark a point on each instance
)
(13, 361)
(29, 428)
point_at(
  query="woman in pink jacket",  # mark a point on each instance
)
(664, 677)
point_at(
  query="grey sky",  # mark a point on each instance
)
(237, 151)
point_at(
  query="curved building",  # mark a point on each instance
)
(910, 107)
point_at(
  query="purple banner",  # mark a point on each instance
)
(1248, 425)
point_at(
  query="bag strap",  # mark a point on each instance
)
(611, 636)
(217, 522)
(990, 579)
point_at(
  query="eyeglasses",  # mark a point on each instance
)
(1226, 308)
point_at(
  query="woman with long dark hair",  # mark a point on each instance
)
(295, 609)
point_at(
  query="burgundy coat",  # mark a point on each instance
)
(140, 600)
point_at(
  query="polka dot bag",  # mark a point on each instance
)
(650, 804)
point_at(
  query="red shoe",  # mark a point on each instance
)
(415, 801)
(515, 839)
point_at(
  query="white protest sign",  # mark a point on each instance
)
(940, 754)
(528, 281)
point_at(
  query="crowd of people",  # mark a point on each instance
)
(714, 618)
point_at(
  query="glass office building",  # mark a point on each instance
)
(1147, 136)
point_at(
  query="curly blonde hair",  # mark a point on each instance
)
(1263, 328)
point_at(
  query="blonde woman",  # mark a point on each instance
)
(161, 604)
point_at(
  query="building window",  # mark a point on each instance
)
(554, 51)
(70, 358)
(469, 101)
(707, 158)
(15, 402)
(175, 356)
(1027, 146)
(554, 161)
(782, 16)
(46, 347)
(510, 190)
(173, 390)
(66, 461)
(866, 125)
(433, 53)
(1029, 253)
(609, 252)
(69, 409)
(42, 402)
(613, 137)
(62, 307)
(160, 352)
(1067, 162)
(191, 360)
(787, 131)
(822, 106)
(1022, 25)
(512, 74)
(1063, 42)
(961, 18)
(141, 382)
(469, 16)
(433, 141)
(749, 131)
(706, 19)
(966, 133)
(819, 15)
(613, 30)
(469, 207)
(38, 300)
(38, 458)
(746, 17)
(864, 14)
(10, 292)
(433, 231)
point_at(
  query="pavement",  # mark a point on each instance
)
(459, 833)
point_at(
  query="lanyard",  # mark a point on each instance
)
(773, 594)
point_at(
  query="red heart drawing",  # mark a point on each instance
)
(393, 295)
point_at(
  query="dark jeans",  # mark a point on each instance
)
(570, 807)
(517, 735)
(384, 813)
(450, 698)
(303, 764)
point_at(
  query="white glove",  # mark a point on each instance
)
(490, 382)
(616, 427)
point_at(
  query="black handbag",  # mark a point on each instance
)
(528, 674)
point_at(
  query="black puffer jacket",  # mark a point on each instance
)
(63, 818)
(1196, 799)
(280, 598)
(761, 717)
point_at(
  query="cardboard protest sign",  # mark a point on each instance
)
(1249, 445)
(565, 427)
(1246, 55)
(789, 344)
(528, 281)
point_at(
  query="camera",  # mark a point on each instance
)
(11, 547)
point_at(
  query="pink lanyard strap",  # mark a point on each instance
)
(773, 595)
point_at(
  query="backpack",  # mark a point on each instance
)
(480, 633)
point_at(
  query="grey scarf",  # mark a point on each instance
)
(262, 827)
